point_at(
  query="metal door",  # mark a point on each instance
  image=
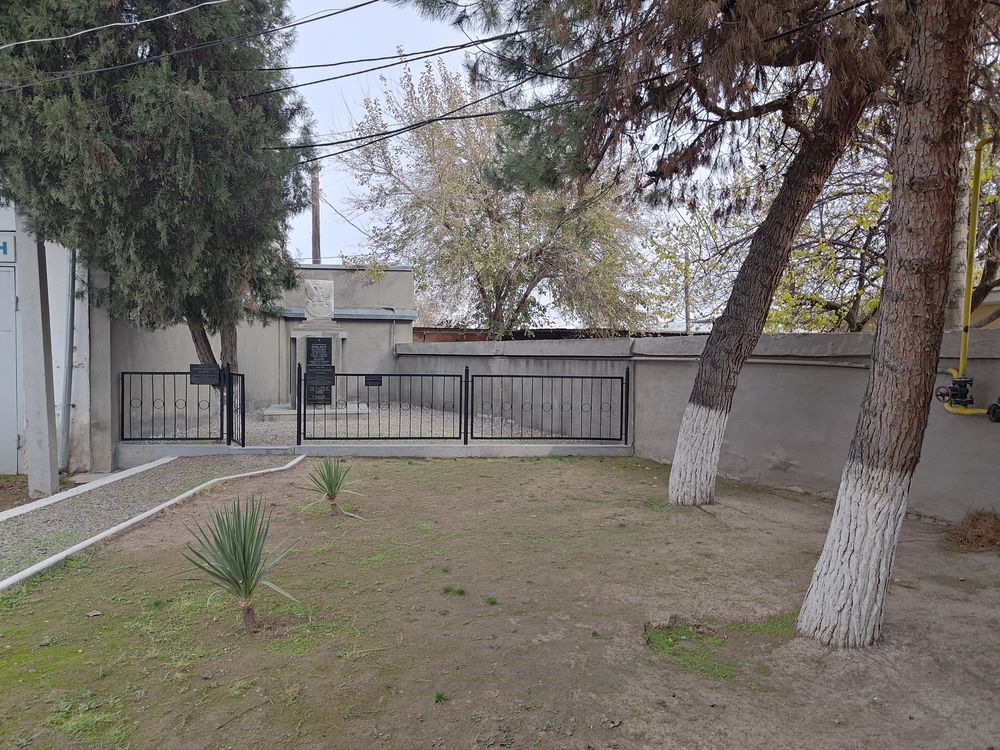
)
(8, 373)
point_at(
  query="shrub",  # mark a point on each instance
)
(230, 553)
(329, 479)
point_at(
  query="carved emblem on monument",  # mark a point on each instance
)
(319, 299)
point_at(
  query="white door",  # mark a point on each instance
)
(8, 373)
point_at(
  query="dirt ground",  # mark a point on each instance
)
(501, 603)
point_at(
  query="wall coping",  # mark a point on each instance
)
(857, 347)
(555, 349)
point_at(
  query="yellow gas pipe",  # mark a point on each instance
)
(970, 258)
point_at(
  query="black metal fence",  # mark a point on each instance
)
(370, 406)
(549, 407)
(464, 407)
(168, 406)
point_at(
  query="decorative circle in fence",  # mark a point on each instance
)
(157, 403)
(567, 406)
(506, 406)
(527, 406)
(448, 405)
(362, 404)
(585, 407)
(341, 404)
(203, 404)
(605, 406)
(425, 404)
(135, 403)
(180, 403)
(404, 405)
(383, 405)
(487, 406)
(546, 406)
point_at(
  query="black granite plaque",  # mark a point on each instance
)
(319, 358)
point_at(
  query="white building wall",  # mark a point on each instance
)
(58, 261)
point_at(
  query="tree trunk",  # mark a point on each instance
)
(249, 615)
(955, 306)
(227, 346)
(737, 331)
(202, 344)
(844, 604)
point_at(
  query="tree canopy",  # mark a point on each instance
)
(497, 256)
(147, 149)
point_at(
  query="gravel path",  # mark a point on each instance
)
(416, 425)
(34, 536)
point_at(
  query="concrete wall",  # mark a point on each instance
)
(795, 410)
(375, 313)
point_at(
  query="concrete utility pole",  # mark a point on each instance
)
(39, 395)
(317, 255)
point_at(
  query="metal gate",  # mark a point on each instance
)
(415, 406)
(207, 403)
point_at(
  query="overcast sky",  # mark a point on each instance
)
(372, 31)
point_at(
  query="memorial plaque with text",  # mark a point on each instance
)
(319, 358)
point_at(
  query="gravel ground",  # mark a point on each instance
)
(418, 425)
(32, 537)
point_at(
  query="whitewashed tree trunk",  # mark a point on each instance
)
(737, 330)
(846, 598)
(845, 601)
(696, 457)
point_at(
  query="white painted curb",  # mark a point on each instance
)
(49, 562)
(60, 496)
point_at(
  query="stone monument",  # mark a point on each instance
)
(319, 340)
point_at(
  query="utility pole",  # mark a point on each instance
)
(317, 256)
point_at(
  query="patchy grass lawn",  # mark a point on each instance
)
(14, 489)
(553, 603)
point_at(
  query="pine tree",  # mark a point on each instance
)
(699, 80)
(158, 170)
(845, 601)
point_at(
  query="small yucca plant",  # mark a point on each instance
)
(329, 479)
(230, 553)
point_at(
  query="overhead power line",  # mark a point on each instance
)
(111, 26)
(184, 50)
(436, 50)
(403, 59)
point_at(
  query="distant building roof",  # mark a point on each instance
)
(358, 313)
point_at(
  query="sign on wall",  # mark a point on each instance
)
(7, 247)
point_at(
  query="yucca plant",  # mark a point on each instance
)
(329, 479)
(230, 553)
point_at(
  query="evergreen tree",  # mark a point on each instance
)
(146, 149)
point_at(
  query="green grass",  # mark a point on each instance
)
(727, 652)
(491, 600)
(692, 652)
(440, 696)
(454, 590)
(781, 625)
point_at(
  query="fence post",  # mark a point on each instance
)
(626, 387)
(227, 384)
(466, 406)
(121, 406)
(299, 410)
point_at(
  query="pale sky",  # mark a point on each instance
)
(372, 31)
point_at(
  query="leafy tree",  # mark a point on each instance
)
(498, 258)
(157, 168)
